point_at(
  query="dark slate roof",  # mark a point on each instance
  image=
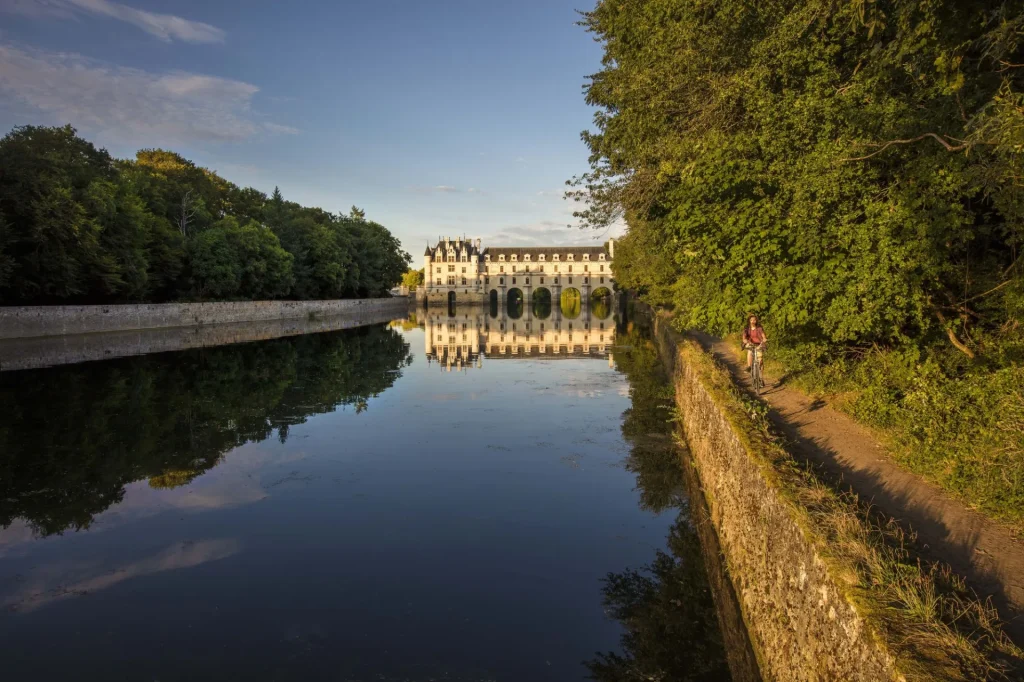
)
(459, 245)
(548, 251)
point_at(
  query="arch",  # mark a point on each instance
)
(514, 303)
(492, 300)
(451, 298)
(601, 303)
(541, 303)
(571, 303)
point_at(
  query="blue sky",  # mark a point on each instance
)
(445, 117)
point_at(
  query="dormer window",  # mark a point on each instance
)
(586, 256)
(554, 257)
(502, 258)
(572, 256)
(601, 257)
(526, 258)
(487, 258)
(542, 258)
(514, 258)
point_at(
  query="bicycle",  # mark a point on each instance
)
(757, 367)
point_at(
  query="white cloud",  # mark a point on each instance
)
(166, 27)
(447, 189)
(134, 105)
(55, 583)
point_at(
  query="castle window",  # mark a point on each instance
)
(570, 268)
(526, 258)
(572, 256)
(542, 280)
(586, 256)
(542, 258)
(463, 270)
(601, 257)
(463, 281)
(439, 271)
(501, 268)
(570, 280)
(487, 257)
(513, 280)
(554, 257)
(438, 281)
(527, 280)
(515, 257)
(451, 268)
(501, 280)
(586, 268)
(513, 267)
(602, 268)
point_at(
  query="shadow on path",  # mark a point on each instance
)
(979, 549)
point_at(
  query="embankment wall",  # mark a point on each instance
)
(40, 321)
(803, 625)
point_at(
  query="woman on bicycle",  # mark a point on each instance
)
(753, 335)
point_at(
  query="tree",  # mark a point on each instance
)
(78, 226)
(850, 170)
(216, 269)
(412, 278)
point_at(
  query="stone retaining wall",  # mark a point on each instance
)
(803, 625)
(49, 351)
(33, 321)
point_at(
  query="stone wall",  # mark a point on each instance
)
(49, 351)
(799, 611)
(33, 321)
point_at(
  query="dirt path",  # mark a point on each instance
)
(985, 553)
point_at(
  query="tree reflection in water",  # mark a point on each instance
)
(666, 608)
(72, 437)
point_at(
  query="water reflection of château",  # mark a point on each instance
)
(459, 338)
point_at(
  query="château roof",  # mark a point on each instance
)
(547, 251)
(458, 246)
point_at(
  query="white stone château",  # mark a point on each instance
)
(460, 271)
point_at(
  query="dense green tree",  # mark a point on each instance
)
(851, 170)
(413, 278)
(80, 227)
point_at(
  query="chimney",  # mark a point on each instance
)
(478, 243)
(611, 247)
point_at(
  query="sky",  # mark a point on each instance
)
(452, 117)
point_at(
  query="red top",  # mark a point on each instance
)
(754, 336)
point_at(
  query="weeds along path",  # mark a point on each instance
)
(981, 550)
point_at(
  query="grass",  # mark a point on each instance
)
(956, 422)
(937, 628)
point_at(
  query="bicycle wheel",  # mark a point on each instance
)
(755, 376)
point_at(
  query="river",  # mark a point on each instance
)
(459, 495)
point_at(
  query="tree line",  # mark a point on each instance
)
(851, 170)
(79, 226)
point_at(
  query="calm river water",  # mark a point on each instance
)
(421, 500)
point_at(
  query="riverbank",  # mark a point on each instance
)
(19, 322)
(51, 351)
(827, 592)
(853, 458)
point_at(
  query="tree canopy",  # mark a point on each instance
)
(78, 226)
(850, 170)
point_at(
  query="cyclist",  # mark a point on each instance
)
(753, 335)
